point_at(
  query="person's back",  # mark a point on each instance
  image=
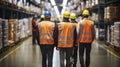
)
(66, 34)
(86, 31)
(86, 34)
(46, 32)
(74, 54)
(66, 40)
(46, 39)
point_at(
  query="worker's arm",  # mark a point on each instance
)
(55, 34)
(75, 36)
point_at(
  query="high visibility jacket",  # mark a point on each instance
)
(65, 35)
(46, 29)
(86, 32)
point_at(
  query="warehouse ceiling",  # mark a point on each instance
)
(60, 4)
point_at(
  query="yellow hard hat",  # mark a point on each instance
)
(73, 16)
(86, 12)
(66, 14)
(42, 16)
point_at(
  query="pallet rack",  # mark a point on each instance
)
(12, 11)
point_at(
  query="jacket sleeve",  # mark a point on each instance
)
(75, 36)
(55, 35)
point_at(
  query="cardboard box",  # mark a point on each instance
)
(12, 31)
(112, 13)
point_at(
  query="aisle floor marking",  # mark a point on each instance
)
(10, 53)
(112, 53)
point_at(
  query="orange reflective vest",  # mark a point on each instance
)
(86, 32)
(65, 35)
(46, 29)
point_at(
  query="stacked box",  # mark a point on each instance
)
(101, 2)
(108, 34)
(83, 5)
(102, 34)
(117, 34)
(112, 35)
(111, 13)
(12, 30)
(30, 25)
(17, 31)
(10, 1)
(5, 33)
(90, 3)
(95, 17)
(26, 26)
(23, 28)
(0, 33)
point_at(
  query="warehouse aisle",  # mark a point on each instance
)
(28, 55)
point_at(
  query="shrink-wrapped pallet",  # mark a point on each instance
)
(0, 33)
(12, 30)
(5, 32)
(117, 34)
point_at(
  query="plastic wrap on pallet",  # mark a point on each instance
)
(21, 29)
(30, 26)
(5, 33)
(117, 34)
(0, 33)
(24, 28)
(108, 34)
(101, 2)
(17, 31)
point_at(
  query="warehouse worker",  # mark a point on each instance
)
(66, 39)
(85, 38)
(73, 20)
(35, 31)
(46, 33)
(42, 18)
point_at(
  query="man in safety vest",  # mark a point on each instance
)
(35, 31)
(86, 36)
(46, 32)
(66, 39)
(73, 20)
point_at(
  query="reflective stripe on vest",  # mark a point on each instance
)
(46, 32)
(66, 38)
(85, 32)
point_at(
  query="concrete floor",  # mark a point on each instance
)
(28, 55)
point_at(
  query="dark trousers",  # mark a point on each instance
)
(82, 47)
(75, 55)
(47, 54)
(65, 53)
(35, 37)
